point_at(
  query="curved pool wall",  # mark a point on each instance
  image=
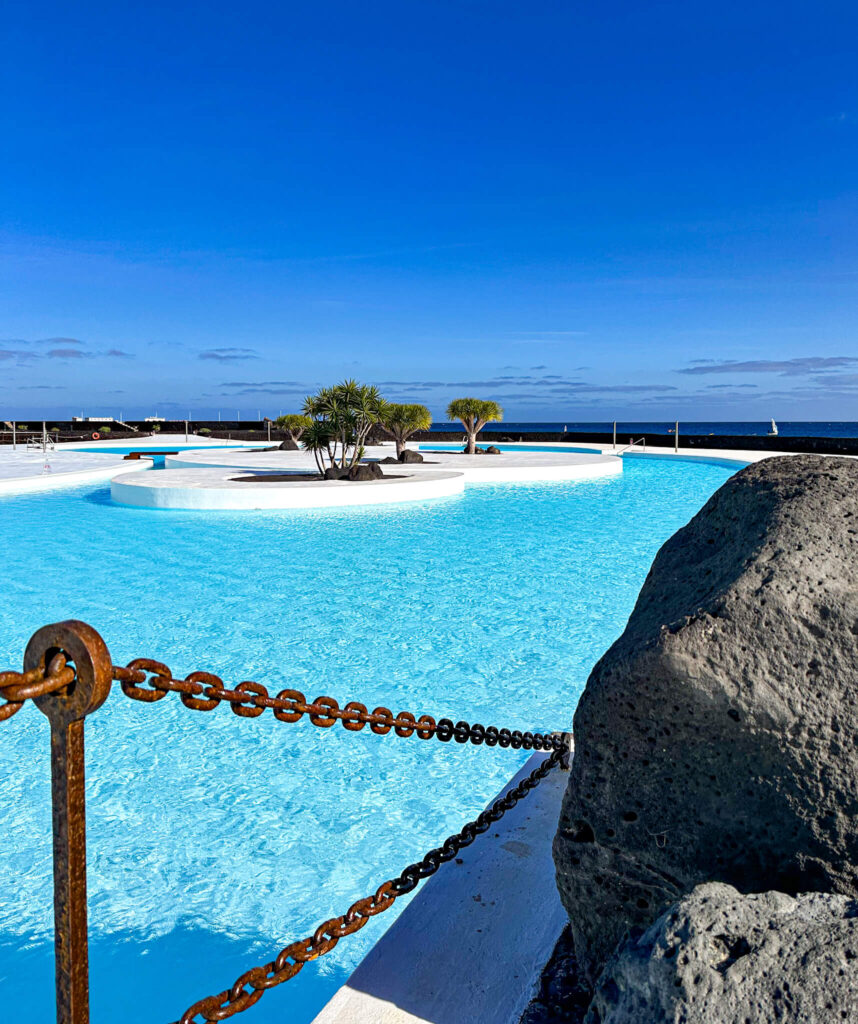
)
(215, 840)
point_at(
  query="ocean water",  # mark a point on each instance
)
(215, 840)
(758, 428)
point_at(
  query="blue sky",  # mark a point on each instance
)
(586, 211)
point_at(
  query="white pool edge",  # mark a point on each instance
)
(471, 946)
(70, 478)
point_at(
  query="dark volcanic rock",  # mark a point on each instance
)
(335, 473)
(718, 957)
(365, 471)
(716, 739)
(288, 446)
(561, 997)
(410, 456)
(389, 461)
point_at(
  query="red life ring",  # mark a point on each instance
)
(96, 436)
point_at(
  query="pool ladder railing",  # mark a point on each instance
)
(632, 443)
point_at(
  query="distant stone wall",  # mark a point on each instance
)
(808, 445)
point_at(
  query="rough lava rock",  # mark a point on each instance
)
(288, 446)
(720, 957)
(493, 450)
(366, 471)
(409, 455)
(717, 739)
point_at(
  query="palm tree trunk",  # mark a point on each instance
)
(471, 431)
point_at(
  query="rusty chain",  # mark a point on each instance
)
(249, 988)
(18, 687)
(203, 691)
(149, 681)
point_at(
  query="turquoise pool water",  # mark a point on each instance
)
(158, 460)
(509, 448)
(215, 840)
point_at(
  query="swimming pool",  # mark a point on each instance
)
(214, 840)
(158, 460)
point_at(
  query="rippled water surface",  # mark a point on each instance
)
(214, 840)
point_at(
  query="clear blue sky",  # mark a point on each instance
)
(585, 210)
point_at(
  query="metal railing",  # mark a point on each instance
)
(43, 443)
(68, 673)
(632, 444)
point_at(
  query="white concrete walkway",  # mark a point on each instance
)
(22, 471)
(67, 465)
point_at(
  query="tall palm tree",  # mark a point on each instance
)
(401, 421)
(474, 414)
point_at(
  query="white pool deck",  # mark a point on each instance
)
(22, 471)
(69, 465)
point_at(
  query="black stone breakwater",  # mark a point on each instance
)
(807, 445)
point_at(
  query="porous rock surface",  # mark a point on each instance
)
(716, 739)
(720, 957)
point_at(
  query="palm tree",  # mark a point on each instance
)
(344, 414)
(294, 424)
(474, 414)
(401, 421)
(317, 438)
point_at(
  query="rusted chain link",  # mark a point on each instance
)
(149, 681)
(18, 687)
(249, 988)
(203, 691)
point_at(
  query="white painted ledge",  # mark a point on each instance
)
(218, 489)
(471, 945)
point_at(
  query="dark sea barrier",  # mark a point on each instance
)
(809, 445)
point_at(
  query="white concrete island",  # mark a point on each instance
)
(255, 480)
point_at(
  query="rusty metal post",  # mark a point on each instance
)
(66, 710)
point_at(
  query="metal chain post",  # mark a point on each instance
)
(53, 648)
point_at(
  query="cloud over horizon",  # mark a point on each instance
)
(802, 366)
